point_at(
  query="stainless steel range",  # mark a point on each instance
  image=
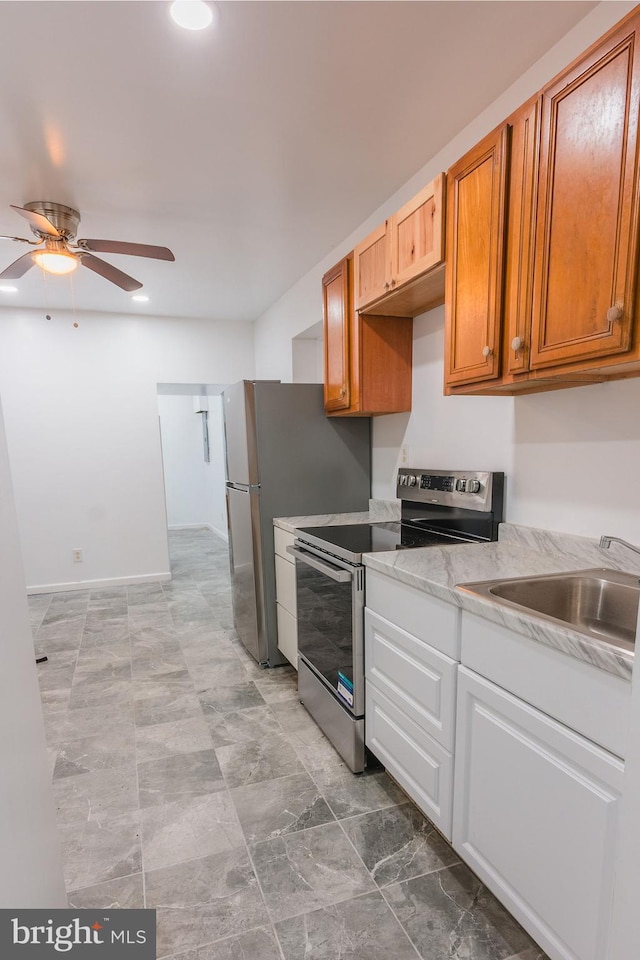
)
(438, 508)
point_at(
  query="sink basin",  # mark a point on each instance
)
(599, 603)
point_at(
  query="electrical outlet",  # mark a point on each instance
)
(77, 555)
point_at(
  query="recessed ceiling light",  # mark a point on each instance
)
(140, 298)
(5, 289)
(193, 14)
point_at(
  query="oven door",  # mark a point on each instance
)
(330, 606)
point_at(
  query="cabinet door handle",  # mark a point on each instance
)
(393, 283)
(386, 286)
(614, 313)
(517, 344)
(487, 351)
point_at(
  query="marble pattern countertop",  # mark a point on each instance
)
(519, 552)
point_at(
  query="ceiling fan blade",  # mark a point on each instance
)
(132, 249)
(37, 221)
(19, 267)
(109, 272)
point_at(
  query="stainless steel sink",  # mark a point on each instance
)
(599, 603)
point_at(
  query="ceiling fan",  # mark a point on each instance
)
(55, 226)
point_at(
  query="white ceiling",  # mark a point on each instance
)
(251, 151)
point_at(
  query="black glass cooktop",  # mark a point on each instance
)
(350, 541)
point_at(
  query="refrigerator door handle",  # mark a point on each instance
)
(334, 573)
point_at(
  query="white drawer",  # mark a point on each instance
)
(421, 766)
(283, 539)
(418, 679)
(588, 700)
(287, 635)
(426, 617)
(286, 584)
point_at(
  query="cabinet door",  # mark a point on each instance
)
(372, 266)
(417, 234)
(536, 817)
(524, 130)
(337, 309)
(586, 244)
(475, 268)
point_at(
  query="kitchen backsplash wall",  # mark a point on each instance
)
(571, 456)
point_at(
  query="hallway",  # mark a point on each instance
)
(191, 781)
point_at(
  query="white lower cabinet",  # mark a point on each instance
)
(536, 817)
(286, 607)
(411, 691)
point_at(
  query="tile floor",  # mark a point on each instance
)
(191, 781)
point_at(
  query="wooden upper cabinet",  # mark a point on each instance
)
(337, 304)
(417, 234)
(587, 231)
(475, 269)
(524, 134)
(372, 262)
(367, 359)
(396, 265)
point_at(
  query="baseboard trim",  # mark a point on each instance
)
(200, 526)
(98, 584)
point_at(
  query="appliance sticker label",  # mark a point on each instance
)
(345, 688)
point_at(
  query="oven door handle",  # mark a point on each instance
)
(335, 573)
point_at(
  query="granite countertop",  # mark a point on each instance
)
(519, 552)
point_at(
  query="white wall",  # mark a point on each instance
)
(564, 452)
(81, 413)
(30, 865)
(194, 488)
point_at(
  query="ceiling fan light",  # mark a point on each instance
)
(56, 263)
(193, 14)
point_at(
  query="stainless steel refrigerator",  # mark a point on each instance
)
(285, 458)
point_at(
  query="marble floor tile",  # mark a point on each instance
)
(349, 796)
(52, 677)
(398, 843)
(277, 692)
(308, 870)
(255, 723)
(451, 914)
(125, 893)
(158, 658)
(188, 829)
(162, 701)
(105, 632)
(93, 852)
(154, 741)
(236, 696)
(100, 694)
(179, 777)
(259, 944)
(533, 953)
(96, 664)
(203, 900)
(97, 752)
(360, 929)
(64, 608)
(257, 760)
(215, 675)
(112, 719)
(65, 635)
(277, 807)
(100, 796)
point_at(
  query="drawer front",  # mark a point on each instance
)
(418, 679)
(287, 635)
(286, 584)
(591, 701)
(283, 539)
(426, 617)
(422, 767)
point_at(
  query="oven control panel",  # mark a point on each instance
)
(472, 489)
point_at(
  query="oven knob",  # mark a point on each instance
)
(474, 486)
(461, 486)
(412, 480)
